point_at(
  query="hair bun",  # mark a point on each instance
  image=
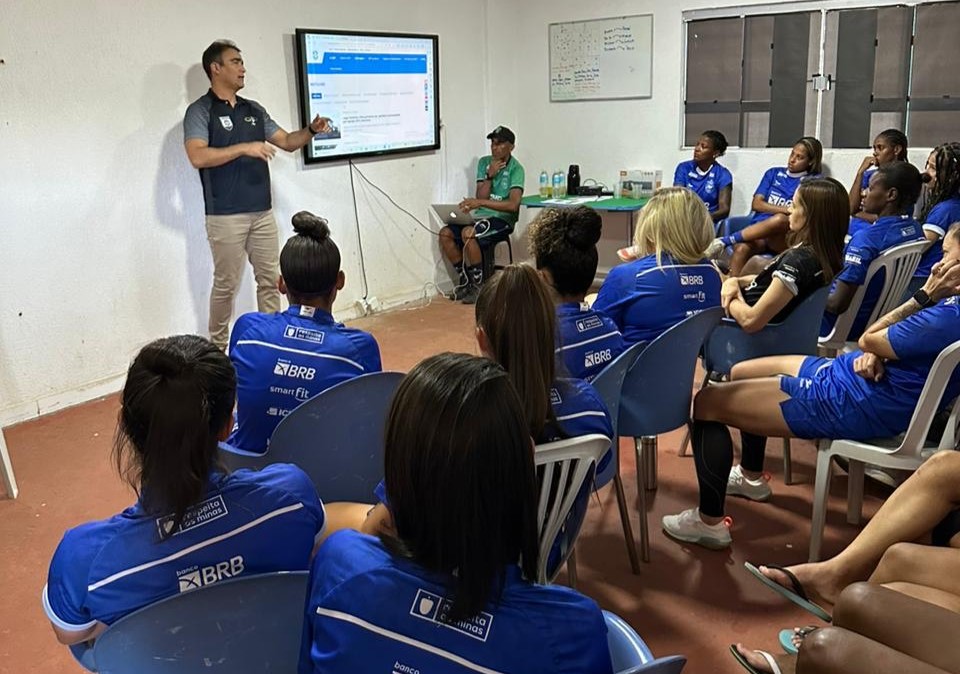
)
(584, 227)
(313, 226)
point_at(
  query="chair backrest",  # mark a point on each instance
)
(728, 344)
(608, 385)
(930, 402)
(336, 437)
(898, 264)
(630, 655)
(565, 469)
(248, 624)
(658, 387)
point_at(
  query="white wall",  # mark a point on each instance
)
(606, 136)
(102, 244)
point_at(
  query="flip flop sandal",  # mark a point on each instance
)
(796, 594)
(774, 667)
(787, 637)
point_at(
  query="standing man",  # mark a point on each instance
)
(226, 137)
(499, 189)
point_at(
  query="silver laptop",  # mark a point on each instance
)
(450, 214)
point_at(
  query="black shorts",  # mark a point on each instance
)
(482, 229)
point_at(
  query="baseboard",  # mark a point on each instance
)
(61, 400)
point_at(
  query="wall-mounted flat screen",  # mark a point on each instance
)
(380, 92)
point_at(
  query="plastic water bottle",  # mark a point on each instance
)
(544, 185)
(557, 184)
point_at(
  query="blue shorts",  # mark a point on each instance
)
(819, 406)
(482, 228)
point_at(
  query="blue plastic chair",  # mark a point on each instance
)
(734, 223)
(609, 384)
(656, 397)
(728, 345)
(243, 625)
(336, 437)
(630, 655)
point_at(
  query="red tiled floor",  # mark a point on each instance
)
(687, 600)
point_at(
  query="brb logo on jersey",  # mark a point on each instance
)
(196, 577)
(287, 369)
(777, 200)
(600, 357)
(691, 279)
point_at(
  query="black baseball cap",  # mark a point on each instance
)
(502, 134)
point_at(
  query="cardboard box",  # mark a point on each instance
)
(639, 183)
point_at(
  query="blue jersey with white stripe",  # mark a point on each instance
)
(938, 221)
(887, 232)
(645, 299)
(777, 188)
(707, 184)
(368, 611)
(284, 359)
(587, 340)
(248, 522)
(853, 407)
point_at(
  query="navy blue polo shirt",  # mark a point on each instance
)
(241, 185)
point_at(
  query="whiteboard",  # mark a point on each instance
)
(601, 58)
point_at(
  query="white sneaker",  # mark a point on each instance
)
(739, 484)
(689, 528)
(715, 249)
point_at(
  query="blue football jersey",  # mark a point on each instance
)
(644, 299)
(777, 188)
(587, 340)
(369, 611)
(938, 220)
(248, 522)
(860, 251)
(707, 184)
(285, 359)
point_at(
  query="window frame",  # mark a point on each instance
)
(809, 6)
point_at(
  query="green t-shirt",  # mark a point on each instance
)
(510, 176)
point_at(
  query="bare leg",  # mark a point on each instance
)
(755, 240)
(767, 367)
(449, 247)
(471, 249)
(755, 265)
(910, 512)
(923, 565)
(831, 650)
(343, 515)
(911, 626)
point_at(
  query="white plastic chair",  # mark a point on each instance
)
(899, 263)
(902, 454)
(563, 469)
(6, 469)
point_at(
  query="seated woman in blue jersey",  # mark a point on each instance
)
(864, 394)
(287, 358)
(941, 207)
(769, 222)
(563, 242)
(709, 180)
(891, 194)
(447, 585)
(516, 326)
(672, 280)
(192, 525)
(818, 221)
(889, 146)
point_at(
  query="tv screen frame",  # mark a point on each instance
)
(303, 93)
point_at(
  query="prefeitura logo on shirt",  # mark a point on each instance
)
(202, 513)
(589, 323)
(436, 609)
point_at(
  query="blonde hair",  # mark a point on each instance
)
(675, 221)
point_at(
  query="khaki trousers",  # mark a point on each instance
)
(231, 238)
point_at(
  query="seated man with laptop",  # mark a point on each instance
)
(494, 210)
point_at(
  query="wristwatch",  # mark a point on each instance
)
(923, 299)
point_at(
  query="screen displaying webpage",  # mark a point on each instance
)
(379, 92)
